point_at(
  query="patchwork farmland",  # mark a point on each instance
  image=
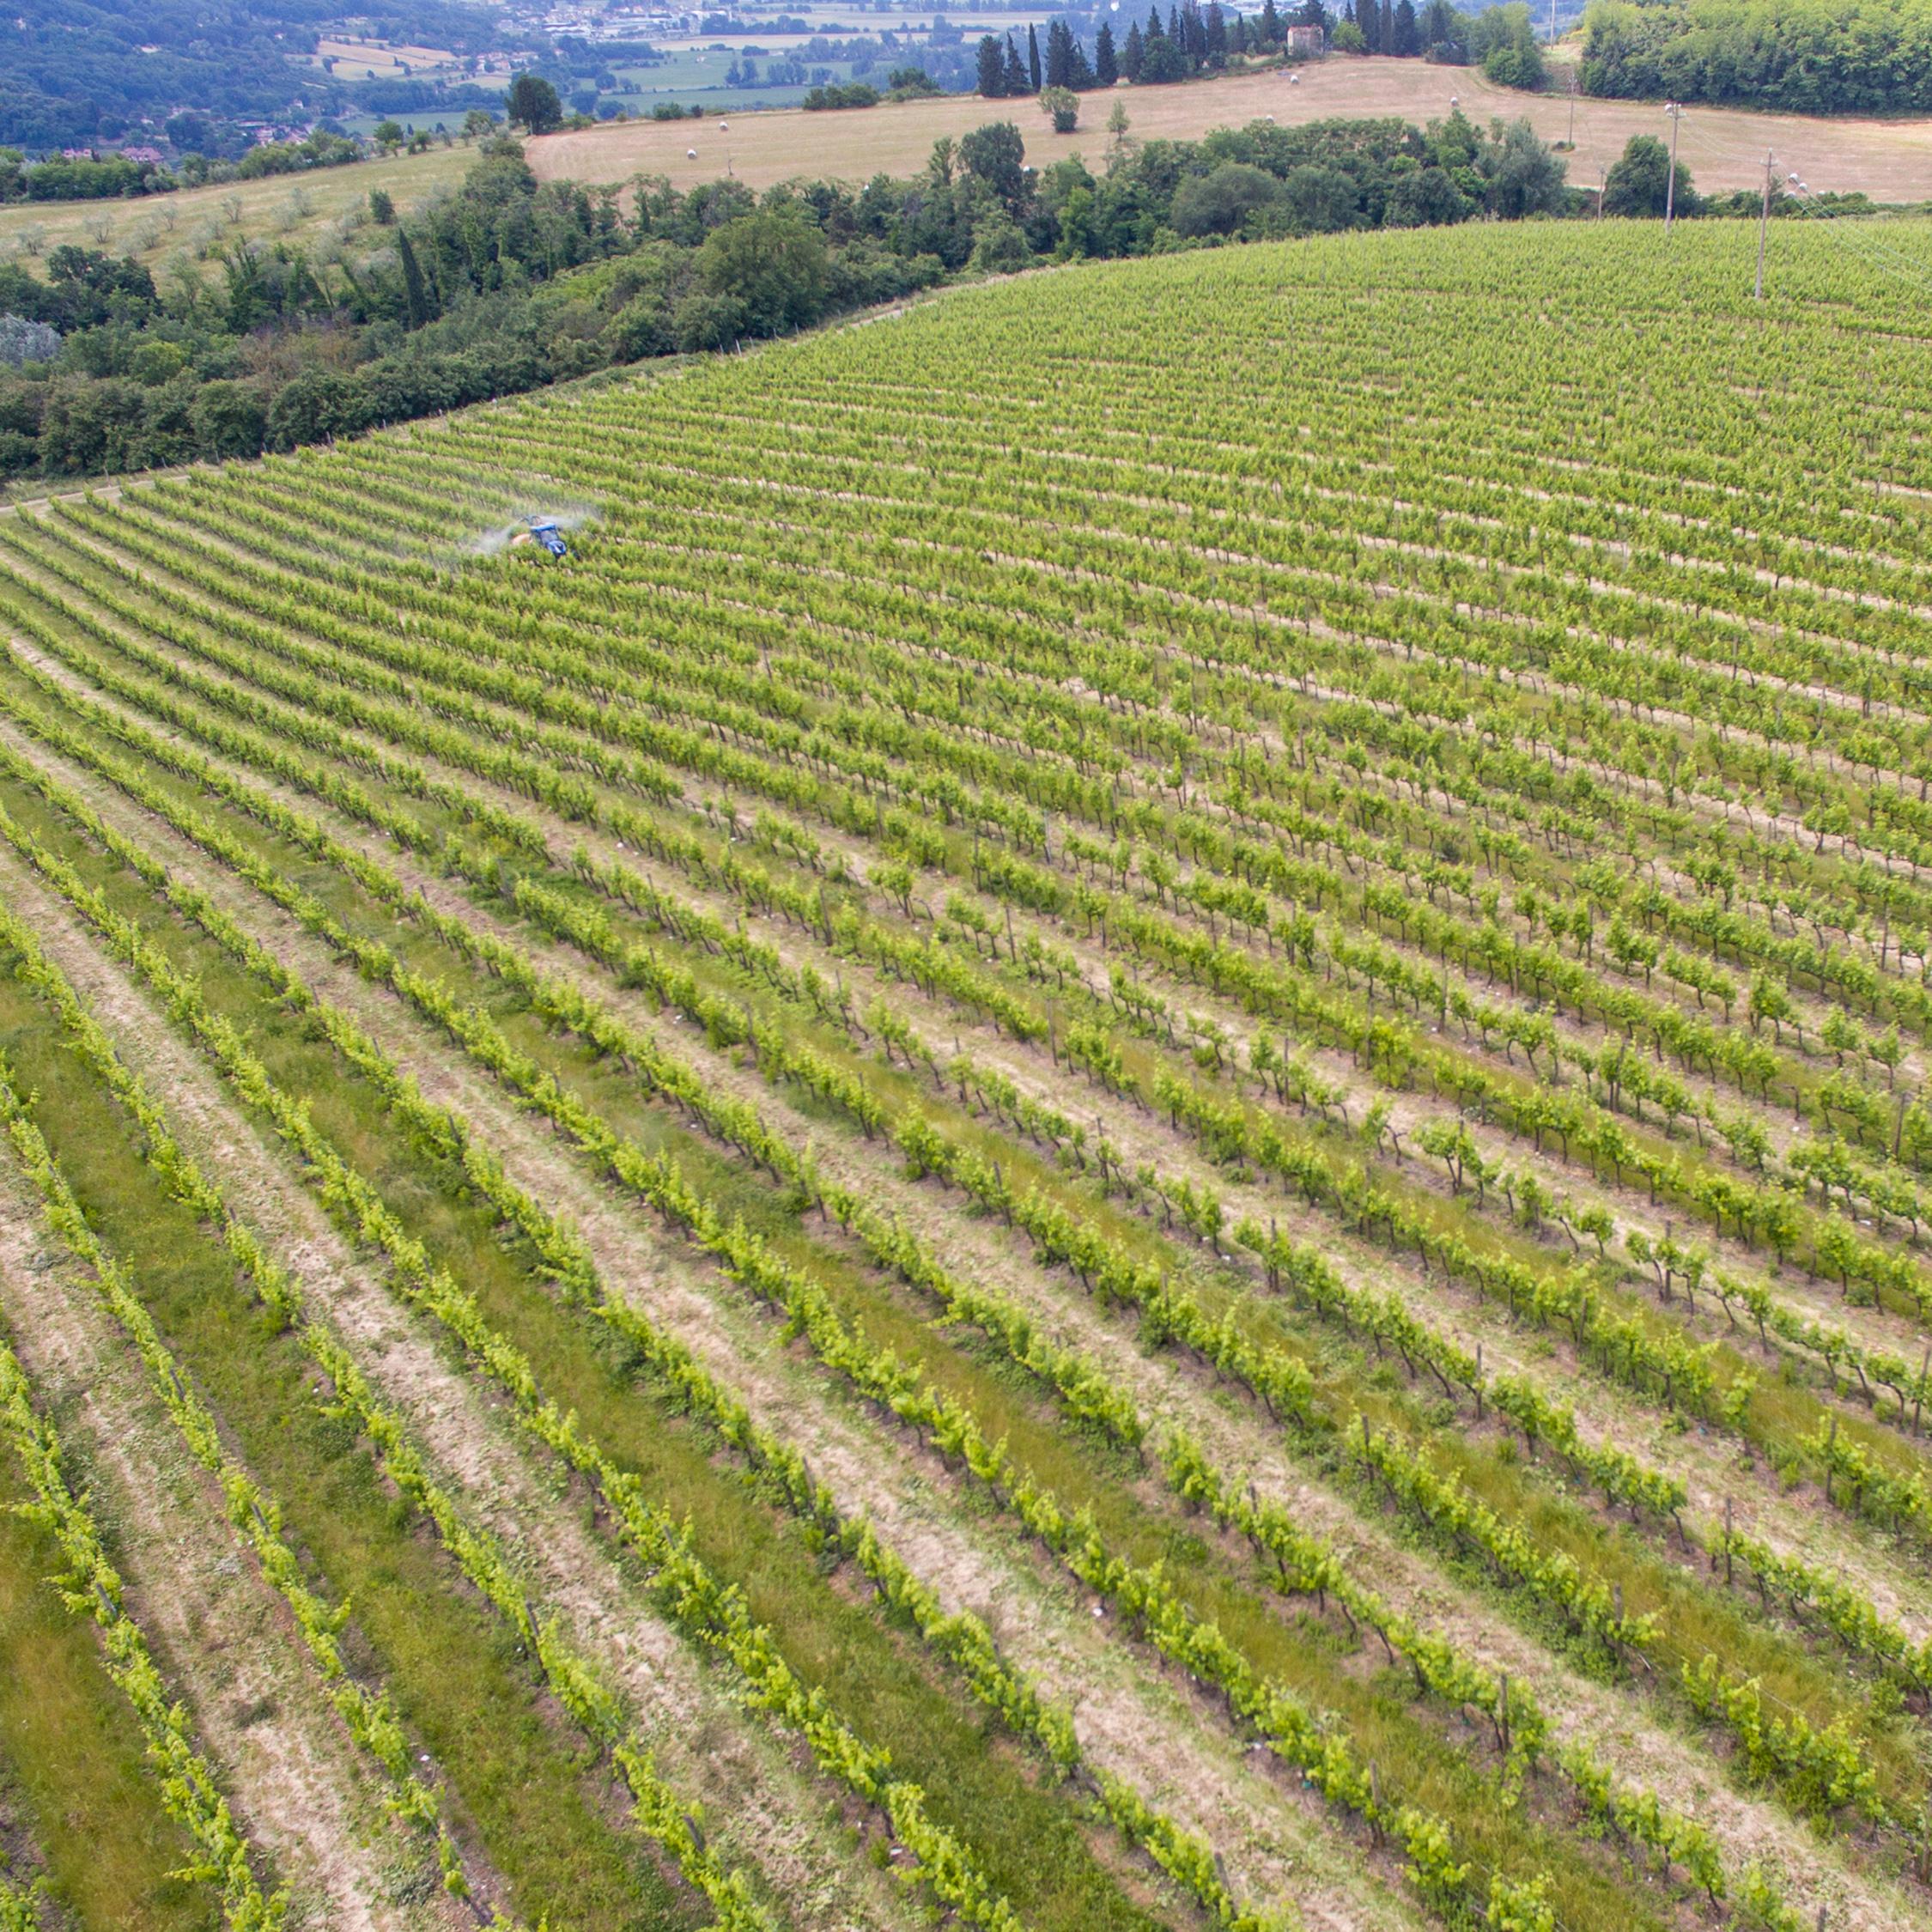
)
(1124, 1126)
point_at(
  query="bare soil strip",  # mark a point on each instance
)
(1131, 1717)
(1649, 1752)
(296, 1779)
(762, 1803)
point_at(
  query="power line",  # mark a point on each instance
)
(1853, 232)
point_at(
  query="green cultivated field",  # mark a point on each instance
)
(1129, 1127)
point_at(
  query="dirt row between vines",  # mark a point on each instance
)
(223, 1639)
(763, 1808)
(1166, 1391)
(1794, 1525)
(1133, 1718)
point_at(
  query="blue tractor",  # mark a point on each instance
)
(545, 531)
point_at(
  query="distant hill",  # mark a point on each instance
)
(73, 73)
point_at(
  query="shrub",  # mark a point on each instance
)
(773, 264)
(1062, 105)
(1319, 200)
(853, 94)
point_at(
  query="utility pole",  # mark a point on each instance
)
(1571, 142)
(1764, 225)
(1602, 182)
(1670, 186)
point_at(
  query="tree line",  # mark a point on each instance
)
(111, 177)
(511, 283)
(1192, 40)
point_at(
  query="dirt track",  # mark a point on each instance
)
(1723, 148)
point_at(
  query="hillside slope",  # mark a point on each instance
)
(1132, 1115)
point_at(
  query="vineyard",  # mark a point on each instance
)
(1130, 1126)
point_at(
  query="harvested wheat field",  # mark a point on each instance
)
(1722, 147)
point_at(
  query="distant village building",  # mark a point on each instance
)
(1303, 43)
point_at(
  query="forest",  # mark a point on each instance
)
(1800, 56)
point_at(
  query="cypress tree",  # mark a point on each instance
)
(1059, 65)
(1015, 74)
(413, 289)
(992, 69)
(1131, 53)
(1164, 55)
(1033, 56)
(1106, 65)
(1194, 27)
(1159, 62)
